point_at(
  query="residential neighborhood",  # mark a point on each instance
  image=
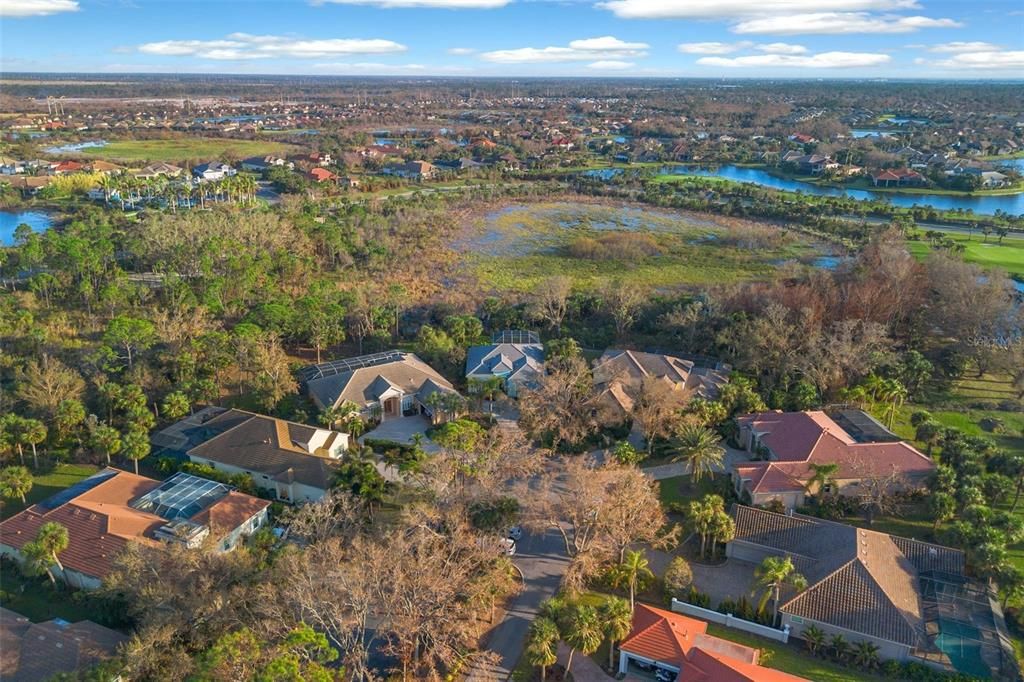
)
(345, 341)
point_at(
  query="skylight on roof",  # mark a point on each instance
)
(181, 496)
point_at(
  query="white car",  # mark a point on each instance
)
(514, 533)
(508, 546)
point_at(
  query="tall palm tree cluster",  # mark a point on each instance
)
(131, 191)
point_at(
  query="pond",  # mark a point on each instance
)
(987, 205)
(9, 221)
(864, 132)
(72, 147)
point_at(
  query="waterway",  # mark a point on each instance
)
(73, 147)
(986, 205)
(9, 221)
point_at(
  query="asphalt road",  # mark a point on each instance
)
(543, 562)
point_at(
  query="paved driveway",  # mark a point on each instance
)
(730, 580)
(542, 561)
(401, 430)
(732, 456)
(584, 668)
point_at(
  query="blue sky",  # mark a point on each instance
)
(710, 38)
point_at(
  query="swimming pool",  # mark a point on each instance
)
(962, 643)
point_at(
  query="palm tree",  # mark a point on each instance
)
(616, 620)
(699, 447)
(895, 394)
(14, 426)
(865, 655)
(107, 439)
(839, 646)
(108, 184)
(633, 571)
(705, 517)
(582, 631)
(542, 644)
(15, 481)
(51, 540)
(771, 575)
(824, 477)
(814, 638)
(135, 446)
(875, 386)
(33, 432)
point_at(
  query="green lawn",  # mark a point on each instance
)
(1007, 256)
(184, 149)
(971, 400)
(681, 489)
(37, 599)
(788, 658)
(48, 483)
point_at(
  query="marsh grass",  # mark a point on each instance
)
(516, 247)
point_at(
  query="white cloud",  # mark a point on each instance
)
(606, 43)
(781, 48)
(697, 9)
(712, 48)
(960, 46)
(36, 8)
(441, 4)
(823, 60)
(991, 60)
(840, 22)
(369, 68)
(605, 48)
(246, 46)
(460, 50)
(611, 65)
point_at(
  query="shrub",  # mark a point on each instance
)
(697, 598)
(629, 246)
(678, 578)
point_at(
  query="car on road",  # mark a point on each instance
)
(508, 546)
(662, 675)
(515, 532)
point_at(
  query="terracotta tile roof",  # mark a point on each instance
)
(707, 666)
(768, 477)
(101, 521)
(230, 512)
(680, 641)
(39, 651)
(858, 579)
(662, 635)
(798, 439)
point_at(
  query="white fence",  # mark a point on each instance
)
(731, 621)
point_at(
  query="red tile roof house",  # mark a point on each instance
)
(895, 592)
(112, 508)
(788, 443)
(322, 175)
(901, 177)
(680, 644)
(68, 167)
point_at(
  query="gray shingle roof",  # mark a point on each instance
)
(252, 442)
(363, 385)
(858, 579)
(513, 358)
